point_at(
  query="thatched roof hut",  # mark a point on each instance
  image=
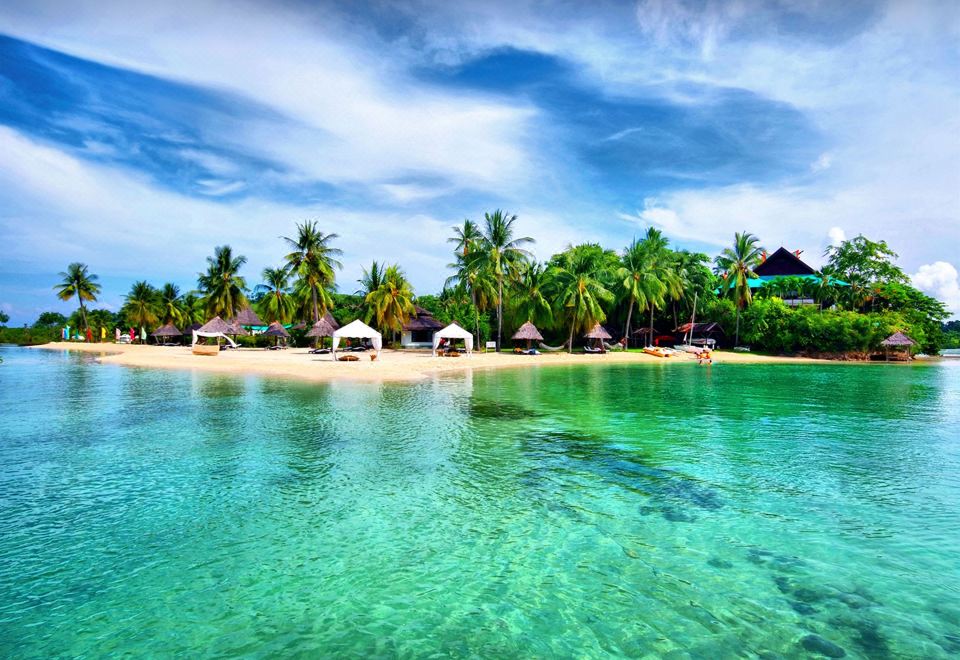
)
(598, 333)
(235, 328)
(321, 328)
(216, 324)
(422, 321)
(276, 330)
(898, 339)
(248, 317)
(169, 330)
(529, 332)
(328, 317)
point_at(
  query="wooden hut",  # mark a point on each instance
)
(899, 344)
(169, 330)
(418, 331)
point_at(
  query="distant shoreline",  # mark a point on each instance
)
(405, 365)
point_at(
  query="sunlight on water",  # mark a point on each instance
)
(583, 511)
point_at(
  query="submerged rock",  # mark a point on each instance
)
(817, 644)
(719, 563)
(802, 608)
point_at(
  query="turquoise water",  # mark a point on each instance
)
(653, 510)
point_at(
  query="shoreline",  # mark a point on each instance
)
(393, 365)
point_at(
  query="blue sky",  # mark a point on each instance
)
(136, 137)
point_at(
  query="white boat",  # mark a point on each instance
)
(687, 348)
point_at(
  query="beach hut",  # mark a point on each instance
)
(419, 331)
(901, 345)
(599, 334)
(248, 317)
(321, 328)
(216, 324)
(357, 330)
(235, 328)
(169, 330)
(453, 331)
(528, 331)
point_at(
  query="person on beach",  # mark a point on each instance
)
(705, 356)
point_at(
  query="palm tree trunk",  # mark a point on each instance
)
(573, 324)
(650, 338)
(316, 309)
(626, 332)
(736, 336)
(476, 315)
(499, 310)
(83, 313)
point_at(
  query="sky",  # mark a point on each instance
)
(135, 137)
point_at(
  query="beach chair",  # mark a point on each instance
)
(591, 350)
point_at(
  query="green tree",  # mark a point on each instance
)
(171, 304)
(736, 264)
(313, 260)
(4, 317)
(392, 301)
(658, 276)
(529, 297)
(50, 320)
(222, 287)
(499, 254)
(140, 306)
(276, 302)
(862, 263)
(578, 281)
(78, 282)
(630, 276)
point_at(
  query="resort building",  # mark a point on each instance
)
(784, 264)
(418, 331)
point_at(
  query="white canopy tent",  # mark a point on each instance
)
(212, 334)
(357, 330)
(453, 331)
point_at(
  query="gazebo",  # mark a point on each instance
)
(278, 331)
(357, 330)
(216, 324)
(169, 330)
(901, 345)
(453, 331)
(321, 328)
(248, 317)
(529, 332)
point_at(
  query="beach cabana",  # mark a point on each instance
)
(235, 328)
(528, 331)
(248, 317)
(169, 330)
(216, 324)
(420, 330)
(277, 330)
(453, 331)
(357, 330)
(599, 334)
(321, 328)
(901, 345)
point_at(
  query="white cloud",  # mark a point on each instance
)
(836, 235)
(940, 280)
(822, 163)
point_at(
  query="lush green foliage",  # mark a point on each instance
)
(78, 282)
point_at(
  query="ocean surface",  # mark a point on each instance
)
(665, 510)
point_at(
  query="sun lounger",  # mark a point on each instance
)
(531, 351)
(319, 351)
(591, 350)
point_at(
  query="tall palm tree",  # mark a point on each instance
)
(171, 304)
(466, 237)
(221, 286)
(530, 302)
(276, 304)
(630, 277)
(313, 261)
(500, 254)
(80, 282)
(658, 275)
(141, 303)
(579, 289)
(192, 307)
(735, 264)
(470, 275)
(391, 303)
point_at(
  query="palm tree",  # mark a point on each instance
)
(630, 280)
(141, 305)
(222, 287)
(736, 266)
(530, 302)
(313, 261)
(276, 304)
(658, 276)
(466, 237)
(500, 254)
(392, 301)
(192, 308)
(171, 304)
(580, 292)
(80, 282)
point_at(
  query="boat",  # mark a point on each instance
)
(656, 351)
(688, 348)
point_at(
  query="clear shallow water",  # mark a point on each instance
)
(589, 512)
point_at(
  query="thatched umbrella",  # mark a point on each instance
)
(599, 334)
(898, 341)
(322, 328)
(248, 317)
(278, 331)
(169, 330)
(529, 332)
(328, 317)
(236, 328)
